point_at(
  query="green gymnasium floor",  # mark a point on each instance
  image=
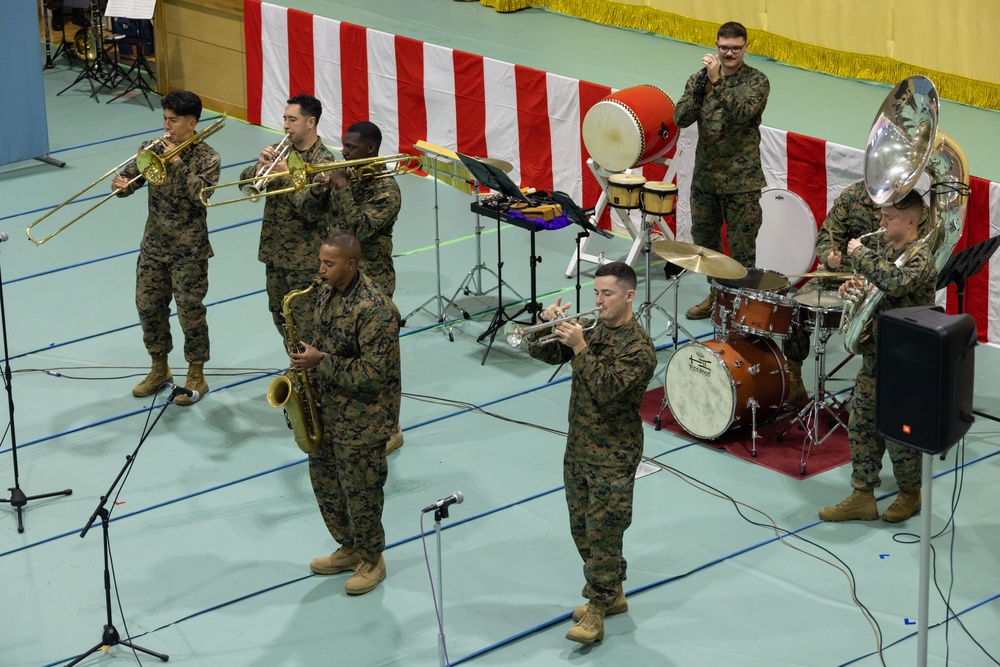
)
(212, 533)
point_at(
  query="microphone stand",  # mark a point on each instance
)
(110, 636)
(440, 513)
(18, 499)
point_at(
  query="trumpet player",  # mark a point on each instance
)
(612, 366)
(354, 364)
(367, 209)
(291, 234)
(911, 284)
(174, 252)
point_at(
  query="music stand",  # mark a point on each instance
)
(139, 63)
(495, 179)
(960, 267)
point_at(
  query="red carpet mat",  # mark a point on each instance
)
(784, 457)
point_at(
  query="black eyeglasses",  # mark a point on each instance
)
(730, 49)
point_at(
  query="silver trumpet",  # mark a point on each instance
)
(515, 333)
(254, 189)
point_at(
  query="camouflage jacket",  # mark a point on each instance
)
(902, 287)
(727, 159)
(368, 209)
(610, 378)
(853, 213)
(291, 233)
(358, 379)
(177, 227)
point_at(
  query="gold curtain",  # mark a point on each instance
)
(857, 39)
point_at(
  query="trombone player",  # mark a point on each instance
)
(612, 366)
(291, 234)
(174, 252)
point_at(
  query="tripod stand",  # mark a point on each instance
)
(139, 65)
(18, 499)
(110, 636)
(50, 57)
(98, 68)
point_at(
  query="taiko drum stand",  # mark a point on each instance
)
(18, 499)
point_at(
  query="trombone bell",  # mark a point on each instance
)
(154, 167)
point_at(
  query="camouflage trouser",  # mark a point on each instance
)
(599, 499)
(280, 281)
(348, 481)
(867, 446)
(186, 281)
(742, 215)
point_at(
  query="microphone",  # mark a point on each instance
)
(3, 236)
(454, 499)
(190, 393)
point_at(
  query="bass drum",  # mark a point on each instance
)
(786, 241)
(713, 387)
(629, 128)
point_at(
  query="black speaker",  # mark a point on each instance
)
(924, 377)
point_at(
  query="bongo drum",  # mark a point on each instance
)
(624, 190)
(658, 198)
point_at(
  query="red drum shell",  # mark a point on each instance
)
(629, 128)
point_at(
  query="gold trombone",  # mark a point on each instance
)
(154, 167)
(114, 170)
(301, 173)
(253, 191)
(515, 333)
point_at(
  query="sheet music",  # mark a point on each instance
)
(130, 9)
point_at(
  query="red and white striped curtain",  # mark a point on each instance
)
(484, 107)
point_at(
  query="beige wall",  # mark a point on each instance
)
(200, 47)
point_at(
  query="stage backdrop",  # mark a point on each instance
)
(24, 134)
(479, 106)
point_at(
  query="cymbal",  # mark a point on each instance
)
(821, 274)
(502, 165)
(699, 259)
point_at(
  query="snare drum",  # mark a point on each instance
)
(727, 290)
(786, 242)
(819, 309)
(716, 386)
(624, 190)
(658, 198)
(762, 313)
(630, 128)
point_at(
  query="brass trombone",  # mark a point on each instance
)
(515, 333)
(154, 167)
(114, 170)
(301, 173)
(253, 191)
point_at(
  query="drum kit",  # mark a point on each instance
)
(740, 378)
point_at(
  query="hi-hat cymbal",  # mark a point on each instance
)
(821, 274)
(502, 165)
(699, 259)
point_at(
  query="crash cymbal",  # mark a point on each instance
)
(821, 274)
(699, 259)
(502, 165)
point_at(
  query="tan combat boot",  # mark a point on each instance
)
(341, 560)
(158, 374)
(395, 441)
(797, 394)
(903, 507)
(366, 577)
(619, 606)
(702, 310)
(590, 628)
(195, 382)
(859, 505)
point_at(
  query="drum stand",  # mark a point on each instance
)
(822, 401)
(442, 305)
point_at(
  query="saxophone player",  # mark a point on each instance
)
(354, 364)
(911, 284)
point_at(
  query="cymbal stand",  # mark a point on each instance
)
(110, 636)
(674, 276)
(18, 499)
(822, 404)
(645, 310)
(472, 284)
(442, 305)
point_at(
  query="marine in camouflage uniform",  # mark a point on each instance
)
(604, 445)
(357, 379)
(912, 284)
(728, 177)
(174, 252)
(290, 236)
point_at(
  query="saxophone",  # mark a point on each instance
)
(292, 390)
